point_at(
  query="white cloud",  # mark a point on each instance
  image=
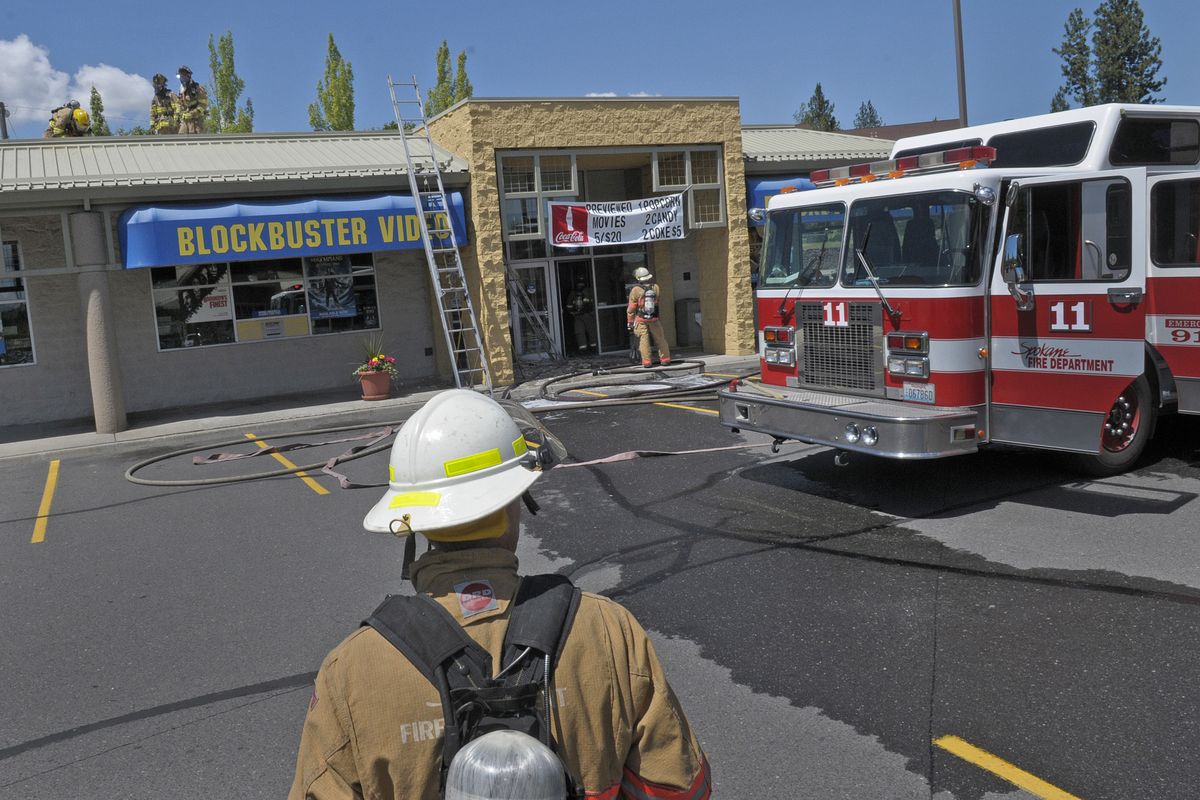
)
(631, 94)
(126, 97)
(30, 86)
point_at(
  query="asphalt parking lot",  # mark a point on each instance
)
(991, 626)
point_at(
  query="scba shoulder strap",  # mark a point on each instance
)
(473, 702)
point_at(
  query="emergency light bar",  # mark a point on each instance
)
(958, 158)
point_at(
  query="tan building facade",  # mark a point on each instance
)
(522, 153)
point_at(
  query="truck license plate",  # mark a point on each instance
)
(919, 392)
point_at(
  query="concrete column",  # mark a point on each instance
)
(88, 245)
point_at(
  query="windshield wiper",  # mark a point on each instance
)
(862, 257)
(807, 269)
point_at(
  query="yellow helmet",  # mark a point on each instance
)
(82, 120)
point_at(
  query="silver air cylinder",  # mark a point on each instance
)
(506, 765)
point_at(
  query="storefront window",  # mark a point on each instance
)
(16, 336)
(698, 172)
(210, 304)
(558, 174)
(672, 170)
(518, 174)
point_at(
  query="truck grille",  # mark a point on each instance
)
(841, 357)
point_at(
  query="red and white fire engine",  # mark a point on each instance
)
(1034, 282)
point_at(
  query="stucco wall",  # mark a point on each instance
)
(56, 386)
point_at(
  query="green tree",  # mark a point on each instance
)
(1076, 55)
(1059, 101)
(462, 84)
(136, 130)
(334, 109)
(1127, 56)
(817, 113)
(99, 123)
(1111, 59)
(867, 116)
(441, 96)
(224, 116)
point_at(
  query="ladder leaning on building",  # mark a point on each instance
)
(460, 324)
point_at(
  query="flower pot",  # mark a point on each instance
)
(375, 385)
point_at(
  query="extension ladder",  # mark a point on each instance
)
(460, 324)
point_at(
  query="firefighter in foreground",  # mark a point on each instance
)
(480, 649)
(163, 108)
(68, 120)
(192, 109)
(641, 317)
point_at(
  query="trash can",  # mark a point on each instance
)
(687, 323)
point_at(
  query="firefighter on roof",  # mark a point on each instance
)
(641, 317)
(163, 108)
(68, 120)
(378, 727)
(192, 108)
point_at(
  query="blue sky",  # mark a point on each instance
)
(899, 55)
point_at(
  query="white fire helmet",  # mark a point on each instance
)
(460, 458)
(642, 275)
(506, 765)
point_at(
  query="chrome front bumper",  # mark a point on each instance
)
(905, 430)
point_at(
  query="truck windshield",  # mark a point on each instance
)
(802, 247)
(928, 239)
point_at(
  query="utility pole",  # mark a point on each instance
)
(3, 121)
(962, 76)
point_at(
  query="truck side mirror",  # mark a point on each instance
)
(1012, 267)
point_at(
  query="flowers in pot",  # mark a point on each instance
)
(376, 372)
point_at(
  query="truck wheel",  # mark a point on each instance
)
(1124, 432)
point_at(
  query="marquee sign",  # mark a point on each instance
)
(651, 219)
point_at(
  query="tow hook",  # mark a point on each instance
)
(841, 458)
(775, 444)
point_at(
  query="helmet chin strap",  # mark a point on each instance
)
(530, 503)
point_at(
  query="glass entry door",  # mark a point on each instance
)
(533, 334)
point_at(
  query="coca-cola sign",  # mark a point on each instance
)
(569, 224)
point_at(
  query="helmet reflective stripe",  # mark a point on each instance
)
(468, 464)
(416, 499)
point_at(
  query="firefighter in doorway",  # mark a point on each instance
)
(579, 305)
(641, 317)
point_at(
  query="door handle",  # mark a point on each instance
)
(1119, 297)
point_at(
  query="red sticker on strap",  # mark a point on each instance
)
(475, 597)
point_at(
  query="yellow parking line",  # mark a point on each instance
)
(39, 527)
(998, 766)
(689, 408)
(720, 374)
(593, 394)
(316, 487)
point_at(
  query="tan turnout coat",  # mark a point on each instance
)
(374, 723)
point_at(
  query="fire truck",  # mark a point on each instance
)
(1034, 282)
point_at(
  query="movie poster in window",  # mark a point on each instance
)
(330, 287)
(206, 304)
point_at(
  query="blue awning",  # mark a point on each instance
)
(157, 236)
(759, 190)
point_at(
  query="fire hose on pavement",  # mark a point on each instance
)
(379, 438)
